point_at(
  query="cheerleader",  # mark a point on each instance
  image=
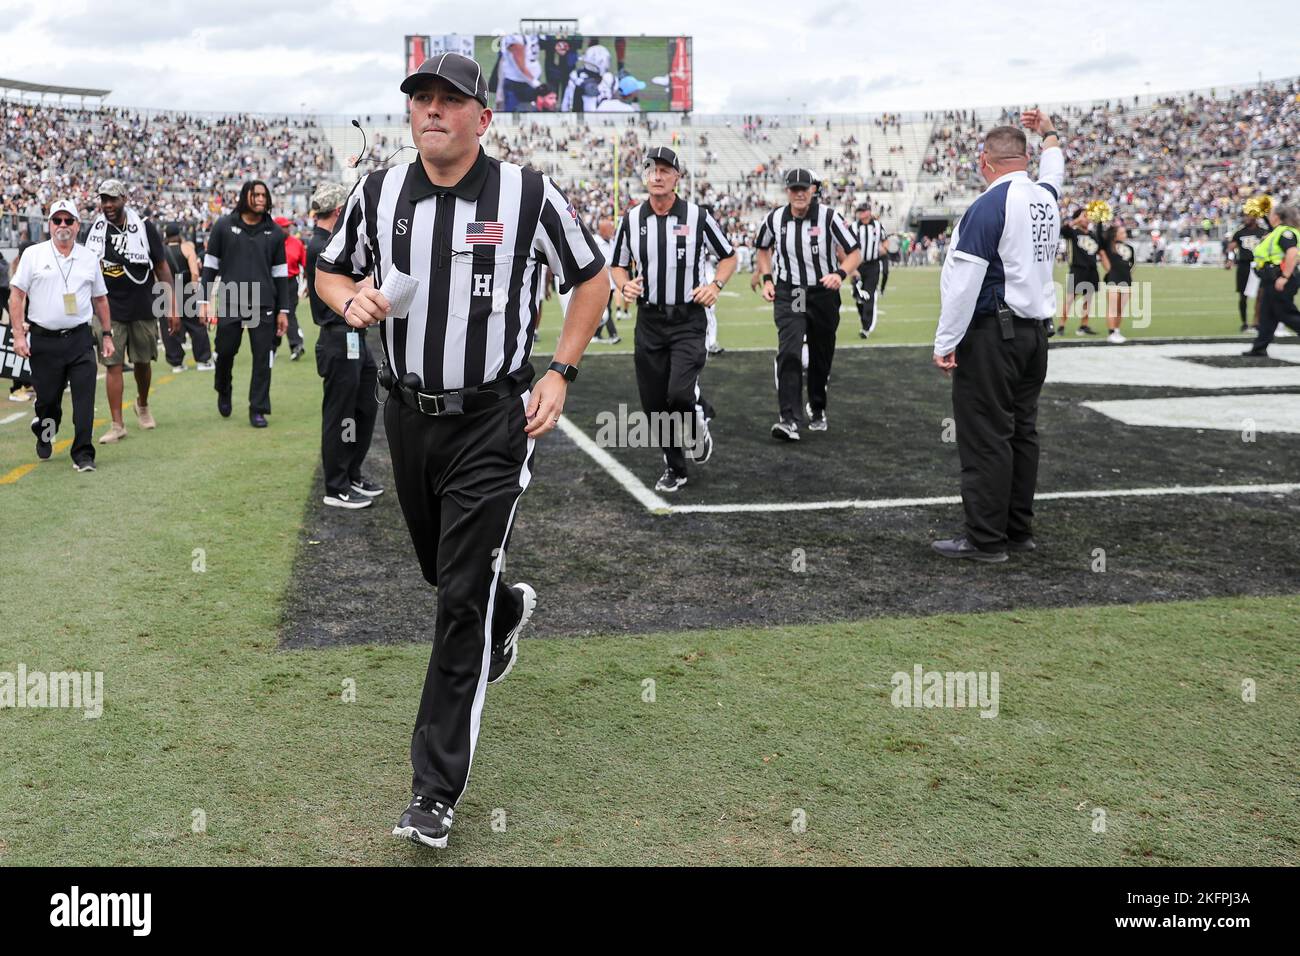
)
(1116, 257)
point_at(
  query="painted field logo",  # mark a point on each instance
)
(103, 909)
(637, 429)
(78, 690)
(952, 689)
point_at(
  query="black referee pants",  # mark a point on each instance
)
(59, 362)
(812, 311)
(348, 407)
(995, 406)
(669, 356)
(459, 478)
(261, 337)
(1275, 308)
(868, 281)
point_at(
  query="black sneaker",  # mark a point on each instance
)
(223, 405)
(425, 822)
(670, 481)
(1256, 353)
(1084, 330)
(816, 420)
(342, 500)
(505, 654)
(863, 334)
(295, 354)
(716, 350)
(1022, 546)
(43, 448)
(962, 548)
(367, 488)
(257, 419)
(83, 466)
(615, 339)
(786, 431)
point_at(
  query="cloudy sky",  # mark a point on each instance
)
(345, 56)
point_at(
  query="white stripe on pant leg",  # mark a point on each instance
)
(498, 562)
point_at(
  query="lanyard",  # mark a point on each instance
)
(72, 264)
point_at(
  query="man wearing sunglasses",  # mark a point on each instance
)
(57, 287)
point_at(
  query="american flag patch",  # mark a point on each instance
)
(681, 231)
(485, 233)
(572, 212)
(815, 231)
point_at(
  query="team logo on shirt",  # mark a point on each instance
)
(485, 233)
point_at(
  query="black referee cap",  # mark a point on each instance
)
(864, 207)
(799, 177)
(663, 154)
(458, 70)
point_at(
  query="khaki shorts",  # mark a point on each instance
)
(138, 338)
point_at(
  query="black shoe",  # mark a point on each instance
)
(341, 500)
(257, 419)
(1022, 546)
(88, 465)
(425, 822)
(1084, 330)
(786, 431)
(615, 339)
(367, 488)
(295, 354)
(962, 548)
(670, 481)
(716, 350)
(223, 405)
(863, 334)
(1254, 353)
(506, 653)
(816, 420)
(43, 448)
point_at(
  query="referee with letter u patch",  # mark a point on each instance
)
(463, 414)
(802, 236)
(667, 237)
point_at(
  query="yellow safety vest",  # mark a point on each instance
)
(1268, 252)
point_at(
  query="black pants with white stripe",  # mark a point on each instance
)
(60, 362)
(995, 406)
(261, 338)
(459, 478)
(670, 354)
(868, 281)
(814, 312)
(1275, 308)
(348, 407)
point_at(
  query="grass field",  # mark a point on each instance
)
(1135, 709)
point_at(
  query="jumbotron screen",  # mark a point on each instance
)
(555, 73)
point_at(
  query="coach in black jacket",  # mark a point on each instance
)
(247, 251)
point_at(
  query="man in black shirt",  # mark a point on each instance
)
(1242, 246)
(131, 258)
(1084, 278)
(349, 370)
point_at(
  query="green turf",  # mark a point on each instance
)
(1183, 300)
(1135, 710)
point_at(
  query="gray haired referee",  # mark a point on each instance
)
(667, 237)
(998, 302)
(806, 294)
(463, 412)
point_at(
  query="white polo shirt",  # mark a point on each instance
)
(44, 276)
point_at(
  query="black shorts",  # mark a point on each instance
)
(1083, 283)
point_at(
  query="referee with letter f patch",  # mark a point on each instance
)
(998, 301)
(667, 237)
(476, 235)
(802, 236)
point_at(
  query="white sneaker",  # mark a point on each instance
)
(1115, 338)
(205, 366)
(177, 369)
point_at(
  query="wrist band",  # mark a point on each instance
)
(841, 273)
(767, 277)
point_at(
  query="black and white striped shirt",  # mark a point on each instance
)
(668, 276)
(871, 237)
(804, 247)
(478, 249)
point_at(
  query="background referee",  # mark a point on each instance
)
(871, 239)
(806, 291)
(461, 419)
(667, 237)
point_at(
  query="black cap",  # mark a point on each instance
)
(799, 177)
(864, 207)
(172, 230)
(663, 154)
(458, 70)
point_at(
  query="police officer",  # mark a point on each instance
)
(997, 298)
(463, 414)
(1242, 246)
(1276, 256)
(871, 239)
(349, 372)
(806, 291)
(666, 237)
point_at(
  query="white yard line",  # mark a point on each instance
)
(12, 418)
(628, 481)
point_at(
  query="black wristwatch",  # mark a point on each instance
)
(767, 277)
(842, 274)
(720, 285)
(108, 332)
(570, 372)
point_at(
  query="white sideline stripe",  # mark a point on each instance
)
(12, 418)
(881, 503)
(629, 482)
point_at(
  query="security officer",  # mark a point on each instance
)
(57, 286)
(871, 239)
(349, 371)
(666, 237)
(997, 298)
(475, 233)
(1275, 257)
(806, 292)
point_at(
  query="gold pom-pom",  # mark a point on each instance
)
(1099, 211)
(1259, 206)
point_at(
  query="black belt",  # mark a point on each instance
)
(56, 333)
(783, 284)
(459, 401)
(991, 318)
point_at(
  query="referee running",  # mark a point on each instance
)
(462, 415)
(871, 238)
(667, 238)
(806, 292)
